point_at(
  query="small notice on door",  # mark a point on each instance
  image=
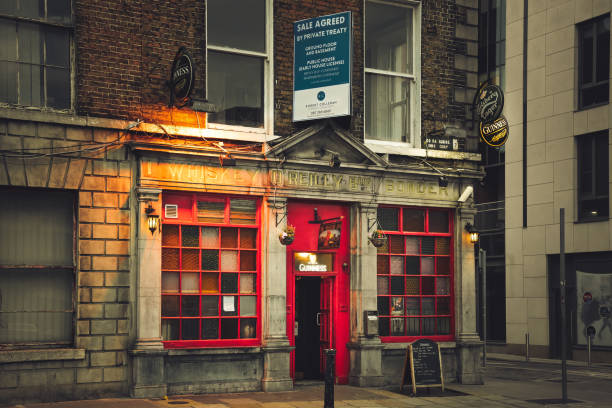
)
(229, 304)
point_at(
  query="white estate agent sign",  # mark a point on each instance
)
(322, 67)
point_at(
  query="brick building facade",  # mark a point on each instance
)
(107, 142)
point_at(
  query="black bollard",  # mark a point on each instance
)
(330, 374)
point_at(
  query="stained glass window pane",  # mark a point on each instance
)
(248, 260)
(413, 327)
(427, 246)
(247, 305)
(190, 259)
(383, 285)
(412, 245)
(229, 260)
(443, 305)
(414, 220)
(412, 265)
(229, 237)
(210, 237)
(229, 328)
(248, 328)
(170, 329)
(248, 238)
(397, 265)
(438, 221)
(412, 286)
(443, 325)
(397, 326)
(427, 265)
(210, 260)
(170, 235)
(429, 326)
(383, 265)
(210, 305)
(442, 286)
(383, 305)
(388, 218)
(229, 283)
(210, 329)
(413, 306)
(170, 258)
(211, 211)
(397, 285)
(170, 306)
(428, 306)
(210, 282)
(190, 329)
(190, 282)
(427, 286)
(397, 244)
(442, 246)
(443, 267)
(247, 283)
(242, 211)
(190, 305)
(189, 236)
(170, 282)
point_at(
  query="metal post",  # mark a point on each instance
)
(563, 311)
(330, 374)
(482, 261)
(526, 346)
(589, 350)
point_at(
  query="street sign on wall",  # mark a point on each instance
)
(322, 67)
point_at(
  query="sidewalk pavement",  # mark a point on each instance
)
(311, 395)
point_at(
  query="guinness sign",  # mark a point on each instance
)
(181, 78)
(495, 134)
(489, 103)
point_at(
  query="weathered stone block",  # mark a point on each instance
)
(105, 200)
(91, 311)
(74, 176)
(57, 176)
(92, 278)
(116, 310)
(21, 128)
(115, 342)
(89, 342)
(103, 358)
(103, 294)
(117, 279)
(51, 130)
(8, 380)
(89, 247)
(115, 374)
(117, 248)
(89, 375)
(104, 231)
(117, 217)
(105, 168)
(104, 263)
(119, 184)
(93, 183)
(103, 326)
(79, 133)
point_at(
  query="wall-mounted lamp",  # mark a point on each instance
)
(152, 219)
(474, 235)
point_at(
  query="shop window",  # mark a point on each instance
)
(36, 268)
(415, 274)
(35, 39)
(210, 272)
(593, 176)
(392, 111)
(236, 63)
(593, 62)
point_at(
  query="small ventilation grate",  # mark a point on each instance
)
(171, 211)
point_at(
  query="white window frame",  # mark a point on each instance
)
(382, 146)
(268, 80)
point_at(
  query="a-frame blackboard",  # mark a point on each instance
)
(423, 366)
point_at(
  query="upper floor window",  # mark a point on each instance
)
(35, 38)
(391, 72)
(593, 176)
(593, 62)
(236, 64)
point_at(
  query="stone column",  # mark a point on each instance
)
(469, 345)
(148, 351)
(276, 348)
(365, 351)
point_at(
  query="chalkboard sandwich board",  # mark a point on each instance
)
(423, 366)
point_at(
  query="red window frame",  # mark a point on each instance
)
(439, 326)
(187, 219)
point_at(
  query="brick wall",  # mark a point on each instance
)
(103, 181)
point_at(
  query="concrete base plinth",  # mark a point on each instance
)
(366, 363)
(276, 359)
(148, 374)
(469, 361)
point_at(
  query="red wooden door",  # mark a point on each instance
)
(333, 297)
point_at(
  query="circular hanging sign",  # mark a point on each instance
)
(181, 77)
(495, 134)
(490, 103)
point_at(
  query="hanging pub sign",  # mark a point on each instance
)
(181, 78)
(489, 103)
(495, 134)
(322, 67)
(329, 234)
